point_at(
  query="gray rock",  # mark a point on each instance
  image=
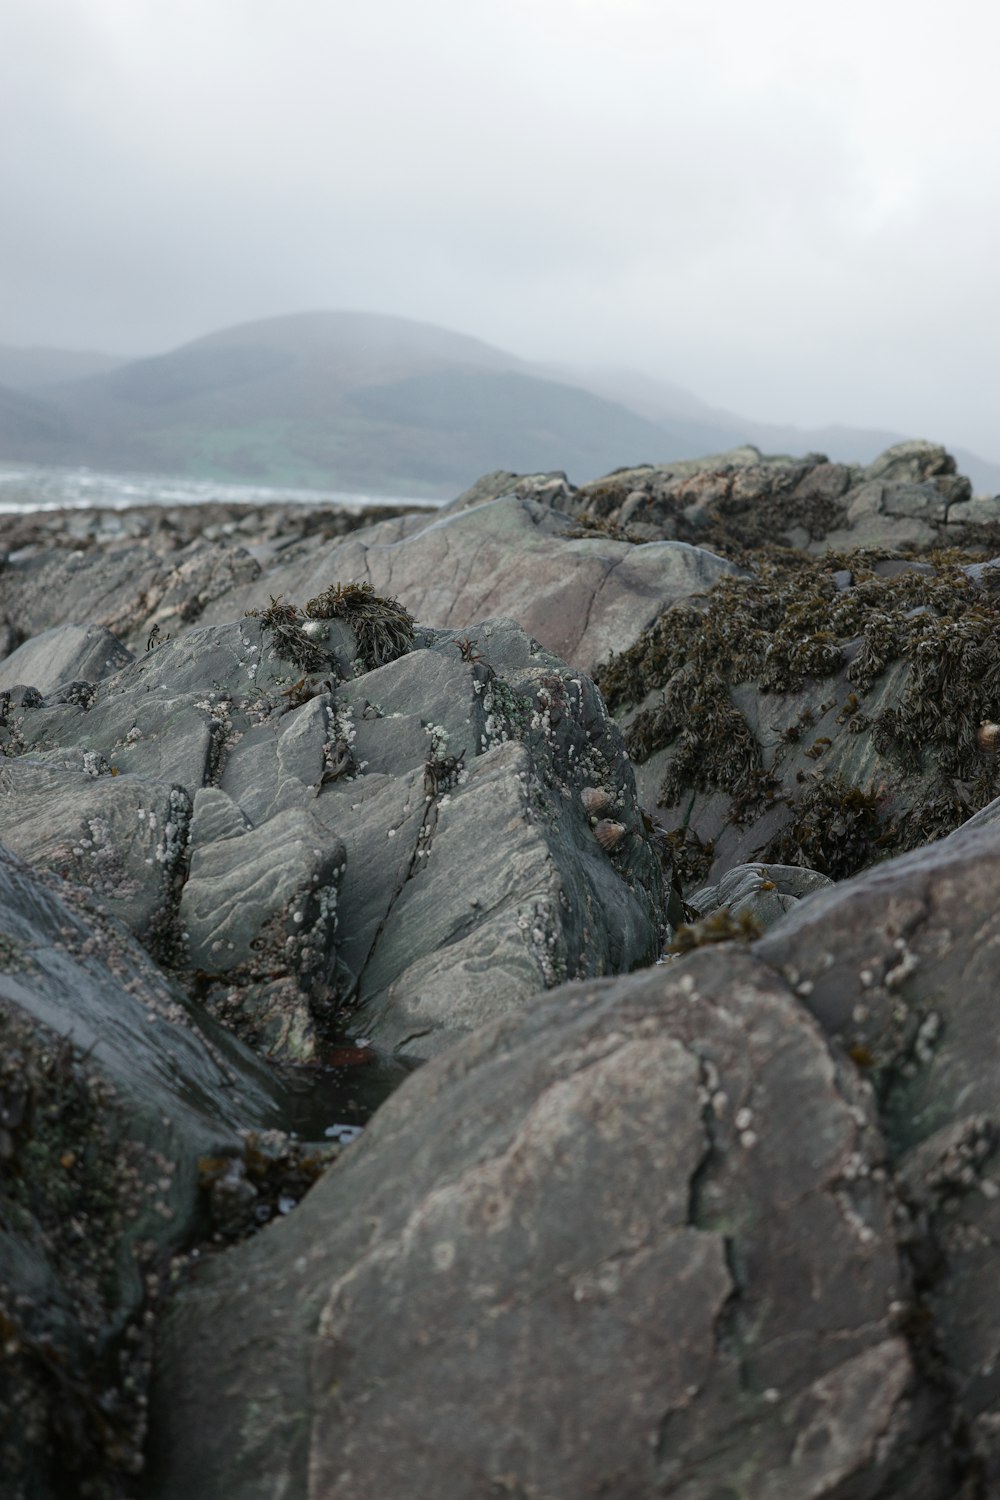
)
(263, 902)
(502, 549)
(61, 654)
(582, 597)
(423, 817)
(743, 499)
(762, 892)
(633, 1243)
(897, 966)
(121, 838)
(112, 1089)
(787, 719)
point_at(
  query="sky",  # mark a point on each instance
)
(791, 210)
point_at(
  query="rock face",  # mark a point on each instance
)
(513, 555)
(911, 496)
(112, 1086)
(404, 848)
(727, 1226)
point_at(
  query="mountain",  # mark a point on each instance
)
(367, 402)
(350, 401)
(28, 424)
(39, 369)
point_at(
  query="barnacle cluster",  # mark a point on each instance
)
(382, 628)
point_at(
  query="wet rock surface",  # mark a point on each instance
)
(724, 1227)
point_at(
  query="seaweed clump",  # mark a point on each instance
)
(838, 829)
(271, 1176)
(283, 623)
(382, 628)
(720, 927)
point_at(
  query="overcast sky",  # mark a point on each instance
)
(793, 210)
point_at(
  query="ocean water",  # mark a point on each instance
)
(32, 487)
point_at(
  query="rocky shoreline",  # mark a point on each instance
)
(639, 840)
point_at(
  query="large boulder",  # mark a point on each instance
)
(724, 1227)
(911, 997)
(628, 1244)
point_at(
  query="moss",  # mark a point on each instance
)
(382, 628)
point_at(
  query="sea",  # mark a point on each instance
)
(34, 487)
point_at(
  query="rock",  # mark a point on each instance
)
(635, 1242)
(61, 654)
(512, 555)
(911, 997)
(792, 717)
(741, 501)
(112, 1088)
(121, 838)
(762, 892)
(402, 850)
(580, 596)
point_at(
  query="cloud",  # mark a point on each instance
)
(793, 210)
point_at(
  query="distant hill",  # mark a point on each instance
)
(364, 402)
(351, 401)
(28, 424)
(39, 369)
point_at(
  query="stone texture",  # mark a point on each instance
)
(112, 1087)
(898, 966)
(762, 892)
(62, 654)
(423, 819)
(512, 554)
(633, 1243)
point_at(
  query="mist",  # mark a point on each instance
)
(794, 214)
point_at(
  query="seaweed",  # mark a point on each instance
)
(720, 927)
(837, 829)
(283, 622)
(382, 628)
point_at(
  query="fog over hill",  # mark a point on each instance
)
(360, 401)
